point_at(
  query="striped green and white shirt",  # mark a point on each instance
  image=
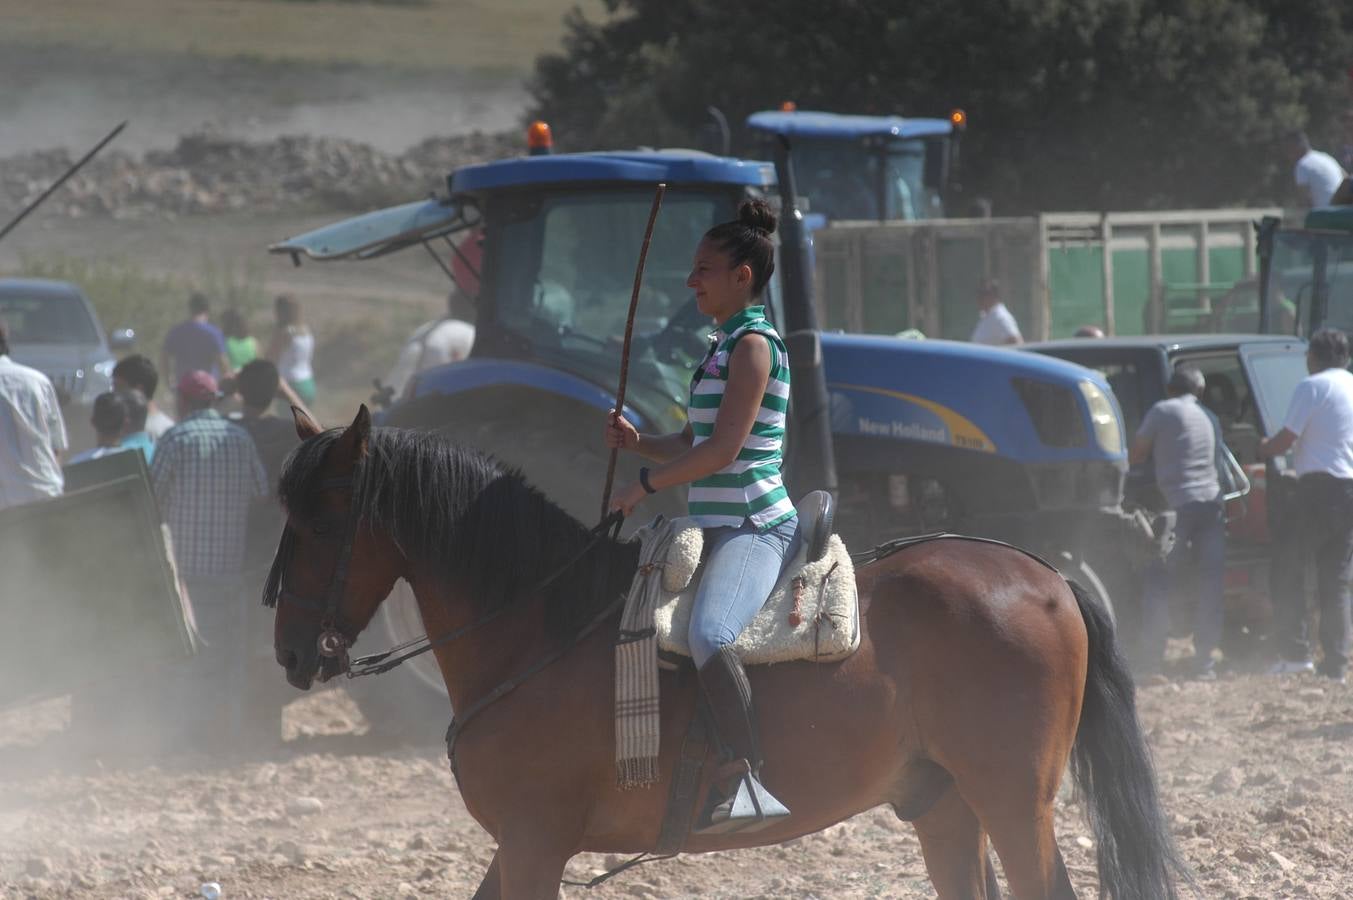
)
(750, 487)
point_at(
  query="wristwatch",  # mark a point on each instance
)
(643, 480)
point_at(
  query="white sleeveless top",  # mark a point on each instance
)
(293, 363)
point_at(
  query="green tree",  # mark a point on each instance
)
(1074, 104)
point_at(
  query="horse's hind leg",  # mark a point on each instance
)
(1028, 849)
(955, 850)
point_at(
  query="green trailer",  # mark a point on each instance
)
(1164, 272)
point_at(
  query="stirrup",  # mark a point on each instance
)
(750, 807)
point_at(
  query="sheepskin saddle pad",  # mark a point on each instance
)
(813, 613)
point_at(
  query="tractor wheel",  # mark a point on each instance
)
(560, 450)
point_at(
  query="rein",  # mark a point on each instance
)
(379, 663)
(333, 643)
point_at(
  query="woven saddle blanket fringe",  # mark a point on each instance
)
(637, 711)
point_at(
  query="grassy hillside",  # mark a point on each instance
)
(494, 36)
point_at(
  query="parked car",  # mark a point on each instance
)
(1249, 381)
(54, 329)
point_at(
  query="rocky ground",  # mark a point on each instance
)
(205, 174)
(1257, 776)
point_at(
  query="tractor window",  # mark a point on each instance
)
(561, 272)
(566, 270)
(840, 179)
(908, 196)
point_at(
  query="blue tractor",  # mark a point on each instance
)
(913, 436)
(882, 168)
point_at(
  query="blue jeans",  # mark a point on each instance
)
(741, 570)
(1200, 539)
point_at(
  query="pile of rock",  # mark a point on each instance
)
(207, 174)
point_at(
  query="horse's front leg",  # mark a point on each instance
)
(530, 866)
(489, 888)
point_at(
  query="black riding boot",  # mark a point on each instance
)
(739, 802)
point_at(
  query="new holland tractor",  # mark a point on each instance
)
(878, 168)
(912, 436)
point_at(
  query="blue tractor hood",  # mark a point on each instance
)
(967, 396)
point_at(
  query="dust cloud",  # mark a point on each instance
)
(63, 98)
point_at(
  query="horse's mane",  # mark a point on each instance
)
(463, 516)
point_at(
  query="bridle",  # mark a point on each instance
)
(333, 642)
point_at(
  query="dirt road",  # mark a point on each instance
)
(1257, 778)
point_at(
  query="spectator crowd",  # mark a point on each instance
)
(212, 475)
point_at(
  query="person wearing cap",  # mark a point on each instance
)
(1319, 433)
(1181, 437)
(206, 473)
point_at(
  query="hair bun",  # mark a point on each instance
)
(756, 214)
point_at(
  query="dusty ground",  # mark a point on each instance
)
(1257, 779)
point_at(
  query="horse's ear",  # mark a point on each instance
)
(306, 427)
(354, 440)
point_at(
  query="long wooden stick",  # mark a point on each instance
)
(629, 333)
(79, 164)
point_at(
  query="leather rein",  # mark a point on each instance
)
(333, 642)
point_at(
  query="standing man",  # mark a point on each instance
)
(1317, 174)
(194, 344)
(32, 432)
(1319, 427)
(259, 386)
(138, 372)
(1180, 436)
(206, 474)
(995, 324)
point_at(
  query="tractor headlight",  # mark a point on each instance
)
(1104, 417)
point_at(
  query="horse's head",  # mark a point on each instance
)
(331, 572)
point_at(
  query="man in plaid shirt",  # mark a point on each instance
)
(206, 473)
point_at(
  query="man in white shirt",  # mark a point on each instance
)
(1317, 173)
(995, 324)
(32, 432)
(1319, 428)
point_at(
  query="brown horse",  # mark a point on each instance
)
(980, 675)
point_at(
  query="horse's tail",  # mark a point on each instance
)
(1112, 767)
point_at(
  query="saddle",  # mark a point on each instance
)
(812, 614)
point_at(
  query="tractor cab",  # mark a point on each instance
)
(1306, 274)
(881, 168)
(545, 246)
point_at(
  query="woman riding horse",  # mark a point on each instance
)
(730, 455)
